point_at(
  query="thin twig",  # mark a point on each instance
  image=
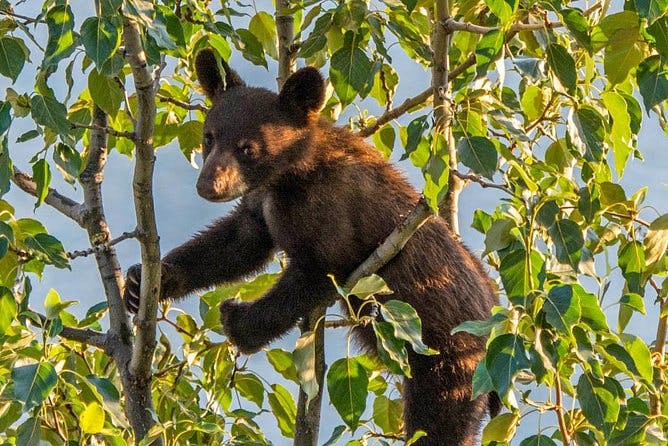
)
(102, 246)
(107, 130)
(58, 201)
(659, 344)
(26, 20)
(560, 413)
(482, 182)
(184, 105)
(83, 335)
(414, 101)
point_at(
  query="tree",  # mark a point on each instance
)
(542, 102)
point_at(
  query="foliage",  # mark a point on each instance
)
(547, 102)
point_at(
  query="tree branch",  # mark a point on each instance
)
(83, 335)
(136, 373)
(444, 110)
(102, 246)
(451, 25)
(285, 28)
(482, 182)
(61, 203)
(107, 130)
(183, 105)
(413, 102)
(393, 244)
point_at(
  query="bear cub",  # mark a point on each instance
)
(327, 199)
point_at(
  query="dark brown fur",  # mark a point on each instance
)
(327, 199)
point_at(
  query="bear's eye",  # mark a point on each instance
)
(245, 147)
(207, 141)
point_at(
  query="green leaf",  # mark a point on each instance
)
(406, 323)
(538, 440)
(12, 57)
(190, 138)
(105, 92)
(518, 277)
(250, 387)
(414, 132)
(62, 40)
(482, 382)
(41, 174)
(110, 7)
(599, 401)
(388, 414)
(50, 248)
(659, 30)
(624, 48)
(68, 162)
(304, 357)
(563, 66)
(499, 235)
(503, 9)
(640, 354)
(49, 112)
(591, 312)
(100, 37)
(506, 356)
(632, 263)
(92, 418)
(250, 47)
(384, 139)
(5, 117)
(651, 9)
(578, 27)
(392, 351)
(336, 435)
(621, 137)
(263, 26)
(283, 363)
(652, 82)
(568, 241)
(633, 432)
(501, 428)
(284, 409)
(479, 154)
(347, 383)
(33, 383)
(562, 308)
(369, 286)
(534, 100)
(350, 71)
(488, 50)
(586, 132)
(30, 432)
(8, 308)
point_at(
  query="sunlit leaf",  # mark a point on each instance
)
(92, 418)
(347, 383)
(100, 37)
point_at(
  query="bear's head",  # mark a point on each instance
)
(252, 135)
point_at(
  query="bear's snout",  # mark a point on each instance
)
(220, 183)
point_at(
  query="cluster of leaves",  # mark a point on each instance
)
(550, 110)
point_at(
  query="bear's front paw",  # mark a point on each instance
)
(238, 326)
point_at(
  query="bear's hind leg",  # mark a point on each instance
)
(438, 398)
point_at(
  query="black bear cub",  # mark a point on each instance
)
(327, 199)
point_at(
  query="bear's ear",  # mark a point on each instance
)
(303, 94)
(208, 68)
